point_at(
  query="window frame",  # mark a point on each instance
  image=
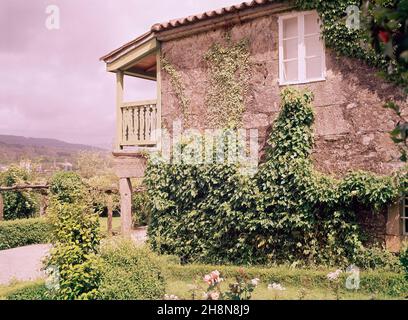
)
(302, 79)
(404, 216)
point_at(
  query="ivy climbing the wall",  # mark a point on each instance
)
(178, 88)
(346, 40)
(287, 212)
(229, 75)
(379, 37)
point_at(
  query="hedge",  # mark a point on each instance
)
(18, 233)
(35, 291)
(131, 272)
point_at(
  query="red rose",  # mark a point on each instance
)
(384, 36)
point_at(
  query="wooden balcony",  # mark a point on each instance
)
(138, 122)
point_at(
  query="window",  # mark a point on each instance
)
(301, 50)
(404, 216)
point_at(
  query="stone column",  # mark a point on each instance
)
(393, 228)
(125, 189)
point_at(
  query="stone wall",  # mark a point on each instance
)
(351, 125)
(373, 225)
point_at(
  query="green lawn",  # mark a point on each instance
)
(14, 286)
(307, 284)
(115, 225)
(183, 289)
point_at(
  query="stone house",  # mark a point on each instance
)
(285, 48)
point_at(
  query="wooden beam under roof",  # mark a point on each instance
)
(133, 56)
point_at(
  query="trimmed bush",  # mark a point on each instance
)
(18, 233)
(75, 238)
(130, 272)
(37, 291)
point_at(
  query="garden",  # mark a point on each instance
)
(215, 232)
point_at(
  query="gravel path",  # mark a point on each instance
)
(22, 264)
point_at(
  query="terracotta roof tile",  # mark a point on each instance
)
(207, 15)
(158, 27)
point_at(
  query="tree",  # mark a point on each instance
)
(17, 204)
(387, 22)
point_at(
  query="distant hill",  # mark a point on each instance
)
(16, 148)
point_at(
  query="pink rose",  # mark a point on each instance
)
(214, 295)
(208, 279)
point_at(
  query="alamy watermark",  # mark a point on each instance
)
(353, 17)
(53, 19)
(209, 146)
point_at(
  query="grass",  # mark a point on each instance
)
(115, 225)
(300, 284)
(14, 286)
(307, 284)
(183, 289)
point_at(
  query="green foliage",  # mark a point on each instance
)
(229, 73)
(199, 211)
(345, 41)
(93, 164)
(243, 287)
(130, 273)
(17, 204)
(140, 209)
(404, 259)
(379, 258)
(381, 41)
(286, 213)
(75, 238)
(37, 291)
(378, 282)
(67, 187)
(23, 232)
(178, 87)
(102, 200)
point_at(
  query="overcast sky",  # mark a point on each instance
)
(52, 84)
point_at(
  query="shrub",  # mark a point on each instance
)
(404, 259)
(67, 187)
(378, 258)
(37, 291)
(130, 273)
(75, 238)
(17, 204)
(140, 209)
(23, 232)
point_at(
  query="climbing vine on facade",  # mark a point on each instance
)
(381, 40)
(178, 87)
(229, 75)
(287, 212)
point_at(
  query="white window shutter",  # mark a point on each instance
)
(301, 50)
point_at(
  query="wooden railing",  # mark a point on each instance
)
(139, 123)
